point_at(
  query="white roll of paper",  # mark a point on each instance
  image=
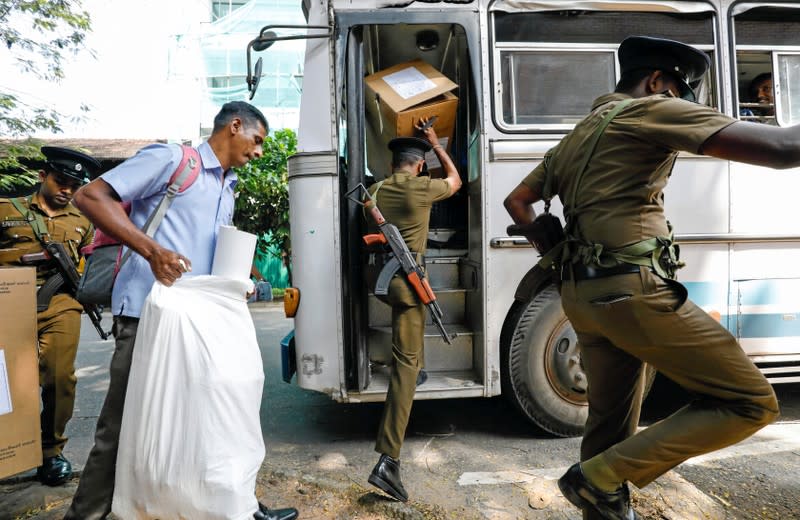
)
(233, 254)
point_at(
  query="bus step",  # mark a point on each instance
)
(443, 272)
(451, 302)
(438, 354)
(440, 384)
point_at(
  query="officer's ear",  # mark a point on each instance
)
(423, 171)
(654, 83)
(43, 175)
(660, 83)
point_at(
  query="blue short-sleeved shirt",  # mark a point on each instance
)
(190, 226)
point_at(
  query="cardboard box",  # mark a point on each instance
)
(20, 432)
(396, 99)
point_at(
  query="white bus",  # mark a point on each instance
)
(527, 71)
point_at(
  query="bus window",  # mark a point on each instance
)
(767, 63)
(549, 66)
(788, 99)
(553, 87)
(755, 87)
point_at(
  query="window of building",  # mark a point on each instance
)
(220, 8)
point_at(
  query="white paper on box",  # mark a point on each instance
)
(5, 391)
(409, 82)
(233, 254)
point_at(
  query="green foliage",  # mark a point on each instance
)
(16, 174)
(262, 196)
(38, 35)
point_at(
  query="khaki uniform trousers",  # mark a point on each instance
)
(624, 320)
(408, 338)
(59, 334)
(92, 500)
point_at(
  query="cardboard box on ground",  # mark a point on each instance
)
(396, 99)
(20, 433)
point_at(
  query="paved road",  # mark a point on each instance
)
(477, 458)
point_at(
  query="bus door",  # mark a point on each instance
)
(369, 42)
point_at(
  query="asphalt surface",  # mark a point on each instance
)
(468, 458)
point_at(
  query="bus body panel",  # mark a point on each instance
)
(315, 258)
(717, 208)
(316, 132)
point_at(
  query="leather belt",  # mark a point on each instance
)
(587, 272)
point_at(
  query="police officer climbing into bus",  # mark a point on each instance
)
(405, 199)
(26, 224)
(618, 273)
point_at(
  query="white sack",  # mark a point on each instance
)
(191, 444)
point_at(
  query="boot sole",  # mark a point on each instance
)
(575, 499)
(584, 504)
(386, 488)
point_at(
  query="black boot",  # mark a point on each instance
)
(265, 513)
(54, 471)
(615, 505)
(386, 476)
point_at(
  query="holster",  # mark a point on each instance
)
(543, 233)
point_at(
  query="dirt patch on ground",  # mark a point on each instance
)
(342, 498)
(329, 500)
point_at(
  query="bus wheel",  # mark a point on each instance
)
(542, 373)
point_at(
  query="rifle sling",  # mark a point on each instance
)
(34, 220)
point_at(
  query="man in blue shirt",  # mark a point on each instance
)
(184, 241)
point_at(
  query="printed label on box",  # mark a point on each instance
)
(5, 391)
(409, 82)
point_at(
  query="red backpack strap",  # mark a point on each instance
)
(191, 160)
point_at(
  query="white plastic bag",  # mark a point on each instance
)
(191, 443)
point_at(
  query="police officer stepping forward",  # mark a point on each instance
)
(48, 215)
(405, 199)
(627, 309)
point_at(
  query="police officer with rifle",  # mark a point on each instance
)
(405, 199)
(47, 231)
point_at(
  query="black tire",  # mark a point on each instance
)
(541, 369)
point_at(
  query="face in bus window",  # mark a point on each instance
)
(761, 92)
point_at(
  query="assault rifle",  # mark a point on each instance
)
(67, 274)
(402, 258)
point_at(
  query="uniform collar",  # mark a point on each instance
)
(400, 171)
(69, 209)
(607, 98)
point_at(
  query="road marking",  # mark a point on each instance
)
(475, 478)
(774, 438)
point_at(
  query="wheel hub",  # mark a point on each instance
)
(563, 364)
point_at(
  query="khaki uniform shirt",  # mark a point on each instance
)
(405, 200)
(67, 225)
(620, 200)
